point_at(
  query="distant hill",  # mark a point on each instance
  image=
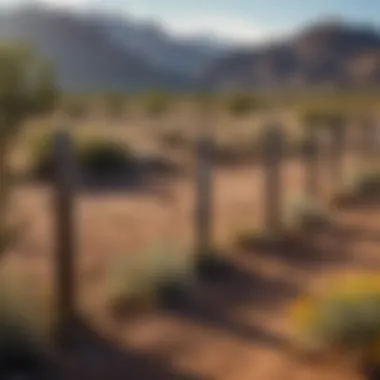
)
(85, 57)
(327, 54)
(151, 41)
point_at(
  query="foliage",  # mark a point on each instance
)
(240, 104)
(93, 156)
(139, 280)
(156, 103)
(102, 157)
(362, 185)
(305, 214)
(344, 317)
(27, 88)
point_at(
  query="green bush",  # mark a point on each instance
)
(103, 157)
(360, 186)
(305, 215)
(240, 104)
(156, 103)
(93, 156)
(148, 278)
(343, 318)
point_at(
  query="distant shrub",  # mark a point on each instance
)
(156, 103)
(75, 108)
(152, 278)
(240, 104)
(323, 117)
(174, 139)
(115, 104)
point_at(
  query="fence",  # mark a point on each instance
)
(272, 152)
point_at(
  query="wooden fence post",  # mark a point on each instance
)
(204, 196)
(337, 146)
(311, 156)
(273, 146)
(369, 142)
(65, 239)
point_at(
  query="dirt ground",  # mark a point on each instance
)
(235, 330)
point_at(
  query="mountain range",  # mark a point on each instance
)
(97, 51)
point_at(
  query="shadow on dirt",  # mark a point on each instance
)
(214, 305)
(316, 250)
(93, 356)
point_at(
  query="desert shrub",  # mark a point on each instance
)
(345, 317)
(115, 104)
(93, 156)
(305, 214)
(156, 103)
(174, 139)
(320, 117)
(104, 157)
(358, 186)
(147, 279)
(240, 104)
(259, 239)
(75, 108)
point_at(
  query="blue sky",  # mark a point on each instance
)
(240, 20)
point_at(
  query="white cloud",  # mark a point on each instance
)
(226, 26)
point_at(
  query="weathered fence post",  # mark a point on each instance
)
(273, 145)
(204, 196)
(369, 141)
(63, 207)
(311, 155)
(337, 130)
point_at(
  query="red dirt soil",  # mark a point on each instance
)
(238, 329)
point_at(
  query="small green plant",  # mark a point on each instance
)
(343, 318)
(240, 104)
(156, 103)
(305, 215)
(360, 186)
(147, 279)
